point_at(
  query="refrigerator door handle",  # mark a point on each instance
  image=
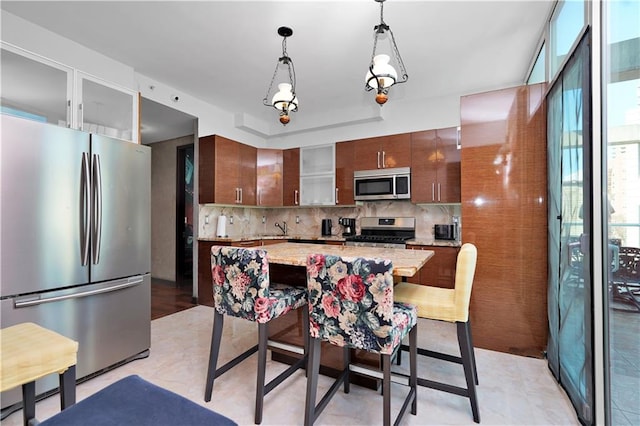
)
(129, 282)
(85, 225)
(96, 230)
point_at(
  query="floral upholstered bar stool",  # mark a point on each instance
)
(351, 305)
(242, 288)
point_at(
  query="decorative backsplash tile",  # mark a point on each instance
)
(305, 221)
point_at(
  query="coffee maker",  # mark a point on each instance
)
(348, 226)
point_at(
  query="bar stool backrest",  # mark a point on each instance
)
(465, 271)
(241, 285)
(351, 302)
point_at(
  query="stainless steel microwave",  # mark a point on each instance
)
(382, 184)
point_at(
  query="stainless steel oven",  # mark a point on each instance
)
(391, 232)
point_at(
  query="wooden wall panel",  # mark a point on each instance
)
(504, 213)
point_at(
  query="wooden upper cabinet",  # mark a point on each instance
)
(247, 170)
(344, 173)
(269, 177)
(227, 171)
(206, 170)
(448, 143)
(383, 152)
(291, 177)
(435, 166)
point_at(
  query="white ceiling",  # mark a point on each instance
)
(225, 52)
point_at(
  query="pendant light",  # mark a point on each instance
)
(285, 99)
(381, 74)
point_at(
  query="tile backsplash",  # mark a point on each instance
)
(305, 221)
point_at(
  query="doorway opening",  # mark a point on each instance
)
(184, 215)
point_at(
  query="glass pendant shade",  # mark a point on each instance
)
(284, 99)
(384, 75)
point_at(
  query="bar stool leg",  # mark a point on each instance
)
(263, 337)
(29, 402)
(473, 352)
(216, 337)
(68, 387)
(413, 367)
(346, 361)
(386, 390)
(312, 382)
(467, 357)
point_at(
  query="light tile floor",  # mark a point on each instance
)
(513, 390)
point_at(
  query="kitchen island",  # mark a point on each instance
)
(406, 263)
(287, 264)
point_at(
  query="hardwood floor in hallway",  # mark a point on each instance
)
(167, 298)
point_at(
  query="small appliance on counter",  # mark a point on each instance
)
(445, 232)
(326, 227)
(348, 226)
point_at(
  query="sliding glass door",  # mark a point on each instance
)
(570, 286)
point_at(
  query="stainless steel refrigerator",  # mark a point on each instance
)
(75, 255)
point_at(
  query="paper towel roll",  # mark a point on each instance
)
(222, 226)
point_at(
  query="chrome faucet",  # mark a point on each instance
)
(282, 228)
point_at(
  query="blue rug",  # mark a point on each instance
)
(134, 401)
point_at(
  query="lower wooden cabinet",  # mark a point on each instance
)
(440, 270)
(205, 280)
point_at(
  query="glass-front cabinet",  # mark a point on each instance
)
(40, 89)
(317, 175)
(106, 109)
(34, 87)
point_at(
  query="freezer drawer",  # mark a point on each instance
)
(110, 321)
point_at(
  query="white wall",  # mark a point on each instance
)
(395, 117)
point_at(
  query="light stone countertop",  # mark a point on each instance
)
(284, 238)
(405, 262)
(417, 242)
(432, 242)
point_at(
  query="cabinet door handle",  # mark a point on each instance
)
(81, 118)
(295, 197)
(384, 160)
(433, 191)
(240, 189)
(439, 191)
(378, 161)
(337, 202)
(237, 195)
(458, 142)
(69, 113)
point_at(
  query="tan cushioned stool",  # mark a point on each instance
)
(451, 305)
(29, 352)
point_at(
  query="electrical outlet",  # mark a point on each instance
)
(297, 219)
(264, 219)
(206, 219)
(230, 220)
